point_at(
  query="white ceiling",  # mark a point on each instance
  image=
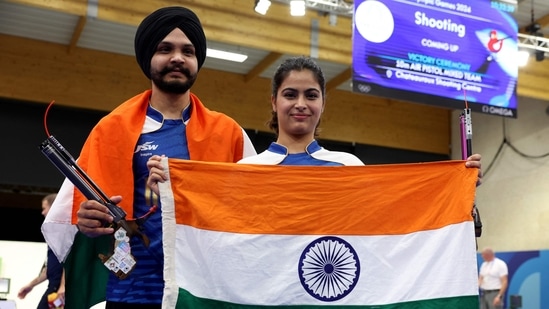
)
(56, 27)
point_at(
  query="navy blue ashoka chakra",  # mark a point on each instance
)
(329, 268)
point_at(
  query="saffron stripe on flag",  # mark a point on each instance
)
(395, 199)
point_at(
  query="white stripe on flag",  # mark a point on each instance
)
(263, 269)
(169, 298)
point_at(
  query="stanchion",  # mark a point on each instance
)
(515, 301)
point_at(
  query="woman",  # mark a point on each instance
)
(298, 99)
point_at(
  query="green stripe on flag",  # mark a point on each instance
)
(187, 300)
(85, 275)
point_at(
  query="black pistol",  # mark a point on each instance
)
(63, 160)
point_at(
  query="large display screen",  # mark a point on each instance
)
(441, 52)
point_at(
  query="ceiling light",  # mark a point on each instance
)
(326, 2)
(262, 6)
(297, 7)
(522, 57)
(225, 55)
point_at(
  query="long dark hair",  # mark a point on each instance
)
(298, 63)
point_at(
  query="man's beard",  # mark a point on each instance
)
(174, 86)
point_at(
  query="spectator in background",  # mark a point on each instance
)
(492, 280)
(52, 270)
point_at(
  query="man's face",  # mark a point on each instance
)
(45, 207)
(174, 66)
(487, 256)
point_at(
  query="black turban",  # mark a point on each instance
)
(155, 27)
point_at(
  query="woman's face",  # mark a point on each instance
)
(299, 104)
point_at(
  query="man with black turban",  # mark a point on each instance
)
(168, 119)
(156, 26)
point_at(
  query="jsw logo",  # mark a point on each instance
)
(146, 147)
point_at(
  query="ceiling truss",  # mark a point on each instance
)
(533, 42)
(337, 7)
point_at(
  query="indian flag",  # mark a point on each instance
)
(260, 236)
